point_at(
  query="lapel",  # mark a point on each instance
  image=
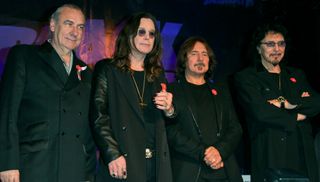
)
(73, 80)
(189, 101)
(216, 99)
(50, 56)
(126, 84)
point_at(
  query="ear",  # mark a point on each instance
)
(258, 49)
(52, 25)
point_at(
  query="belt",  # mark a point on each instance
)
(149, 153)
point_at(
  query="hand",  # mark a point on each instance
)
(274, 102)
(301, 117)
(163, 101)
(287, 104)
(213, 158)
(218, 166)
(305, 94)
(118, 168)
(10, 176)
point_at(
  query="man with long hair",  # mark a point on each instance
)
(128, 106)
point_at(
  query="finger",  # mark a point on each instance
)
(124, 174)
(112, 169)
(163, 87)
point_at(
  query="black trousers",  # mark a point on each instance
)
(151, 169)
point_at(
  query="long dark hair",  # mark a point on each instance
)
(182, 57)
(152, 64)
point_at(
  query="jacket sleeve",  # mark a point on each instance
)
(100, 117)
(181, 143)
(11, 92)
(256, 107)
(309, 106)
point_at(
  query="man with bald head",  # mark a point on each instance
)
(44, 98)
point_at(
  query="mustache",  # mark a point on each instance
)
(199, 64)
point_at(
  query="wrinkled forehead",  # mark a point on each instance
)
(72, 14)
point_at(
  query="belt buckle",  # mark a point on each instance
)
(148, 153)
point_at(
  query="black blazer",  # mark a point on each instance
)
(118, 124)
(44, 128)
(185, 136)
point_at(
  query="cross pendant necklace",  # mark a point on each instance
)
(140, 94)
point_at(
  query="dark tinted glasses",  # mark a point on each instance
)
(142, 32)
(272, 44)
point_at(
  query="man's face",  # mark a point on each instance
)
(197, 61)
(68, 30)
(272, 48)
(144, 40)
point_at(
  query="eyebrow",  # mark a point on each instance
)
(68, 21)
(193, 51)
(72, 22)
(152, 30)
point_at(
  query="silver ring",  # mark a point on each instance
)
(113, 175)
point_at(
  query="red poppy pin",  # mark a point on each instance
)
(293, 80)
(214, 92)
(163, 87)
(79, 69)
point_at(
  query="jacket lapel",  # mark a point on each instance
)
(49, 55)
(126, 83)
(190, 103)
(73, 80)
(217, 107)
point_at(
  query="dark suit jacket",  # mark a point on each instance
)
(44, 126)
(118, 124)
(185, 136)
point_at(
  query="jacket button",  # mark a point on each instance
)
(77, 136)
(64, 110)
(62, 133)
(125, 154)
(124, 128)
(80, 113)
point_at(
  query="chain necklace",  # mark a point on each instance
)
(140, 95)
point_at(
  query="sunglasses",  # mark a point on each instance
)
(143, 32)
(272, 44)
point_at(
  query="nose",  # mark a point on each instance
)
(276, 47)
(147, 35)
(75, 31)
(200, 57)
